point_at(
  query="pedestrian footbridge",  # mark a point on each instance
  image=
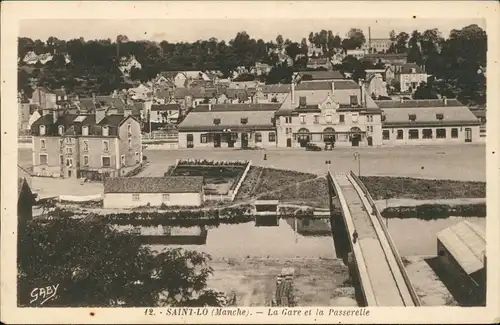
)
(374, 262)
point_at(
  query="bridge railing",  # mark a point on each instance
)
(411, 289)
(366, 291)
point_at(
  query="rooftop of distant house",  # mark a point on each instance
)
(170, 184)
(413, 103)
(165, 107)
(322, 75)
(409, 68)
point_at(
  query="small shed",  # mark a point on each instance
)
(461, 253)
(130, 192)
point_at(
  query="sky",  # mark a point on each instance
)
(189, 30)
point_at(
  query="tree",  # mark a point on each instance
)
(355, 39)
(23, 83)
(414, 50)
(303, 46)
(424, 91)
(400, 42)
(95, 265)
(311, 38)
(392, 35)
(293, 50)
(279, 41)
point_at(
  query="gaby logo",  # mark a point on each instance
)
(44, 294)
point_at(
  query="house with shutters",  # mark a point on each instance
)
(410, 77)
(429, 121)
(93, 146)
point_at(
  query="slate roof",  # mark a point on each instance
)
(204, 121)
(322, 75)
(277, 88)
(456, 115)
(466, 242)
(170, 184)
(165, 107)
(237, 107)
(406, 68)
(413, 103)
(197, 92)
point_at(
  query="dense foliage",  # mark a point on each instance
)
(94, 265)
(435, 211)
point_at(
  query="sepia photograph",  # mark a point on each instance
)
(234, 166)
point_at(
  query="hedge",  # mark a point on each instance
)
(205, 162)
(435, 211)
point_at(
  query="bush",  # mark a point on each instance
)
(435, 211)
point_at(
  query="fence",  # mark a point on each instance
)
(242, 178)
(394, 250)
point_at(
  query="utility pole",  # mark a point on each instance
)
(357, 157)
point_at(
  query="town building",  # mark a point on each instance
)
(44, 97)
(434, 121)
(127, 64)
(92, 145)
(377, 45)
(316, 63)
(165, 113)
(229, 125)
(23, 117)
(356, 53)
(131, 192)
(461, 251)
(275, 93)
(410, 76)
(183, 78)
(338, 112)
(395, 59)
(261, 69)
(480, 113)
(375, 84)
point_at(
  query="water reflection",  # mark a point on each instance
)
(311, 226)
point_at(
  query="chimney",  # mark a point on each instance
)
(402, 99)
(127, 111)
(100, 114)
(293, 92)
(362, 92)
(55, 115)
(209, 107)
(333, 87)
(302, 101)
(445, 100)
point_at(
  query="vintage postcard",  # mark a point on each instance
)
(250, 162)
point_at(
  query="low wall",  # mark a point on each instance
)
(80, 198)
(401, 267)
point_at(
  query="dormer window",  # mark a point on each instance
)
(382, 118)
(42, 129)
(58, 97)
(105, 131)
(85, 130)
(244, 120)
(302, 101)
(65, 97)
(412, 117)
(216, 121)
(439, 116)
(354, 100)
(61, 129)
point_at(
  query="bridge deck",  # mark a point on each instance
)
(385, 280)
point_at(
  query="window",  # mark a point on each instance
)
(105, 131)
(68, 140)
(166, 197)
(329, 119)
(69, 162)
(216, 121)
(129, 144)
(354, 100)
(385, 134)
(137, 158)
(288, 119)
(85, 146)
(302, 119)
(105, 145)
(60, 143)
(355, 118)
(61, 160)
(316, 119)
(69, 150)
(400, 135)
(413, 134)
(42, 129)
(85, 161)
(42, 144)
(258, 137)
(288, 130)
(342, 118)
(440, 133)
(244, 120)
(135, 197)
(44, 159)
(61, 129)
(106, 162)
(454, 133)
(203, 138)
(412, 117)
(439, 116)
(427, 134)
(272, 137)
(122, 160)
(129, 129)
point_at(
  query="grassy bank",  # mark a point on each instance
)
(421, 189)
(435, 211)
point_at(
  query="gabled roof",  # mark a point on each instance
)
(457, 115)
(165, 107)
(204, 120)
(236, 107)
(276, 88)
(170, 184)
(466, 242)
(197, 92)
(407, 68)
(413, 103)
(327, 85)
(322, 75)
